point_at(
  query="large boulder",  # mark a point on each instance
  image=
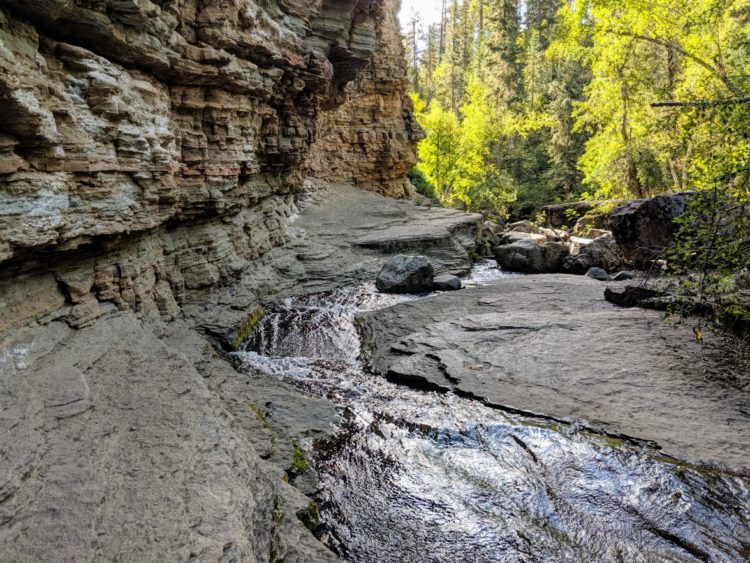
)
(601, 253)
(555, 216)
(644, 228)
(529, 257)
(405, 274)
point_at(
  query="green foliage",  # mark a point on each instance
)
(641, 53)
(711, 253)
(536, 102)
(571, 215)
(422, 184)
(454, 155)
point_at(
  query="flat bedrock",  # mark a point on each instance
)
(551, 344)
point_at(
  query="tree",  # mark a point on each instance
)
(639, 53)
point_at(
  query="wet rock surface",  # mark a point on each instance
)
(342, 236)
(551, 344)
(420, 475)
(103, 419)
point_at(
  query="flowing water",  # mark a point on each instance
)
(421, 476)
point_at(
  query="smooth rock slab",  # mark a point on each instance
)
(552, 345)
(117, 447)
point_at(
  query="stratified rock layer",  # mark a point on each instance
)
(150, 150)
(151, 153)
(369, 140)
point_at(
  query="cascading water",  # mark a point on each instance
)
(420, 476)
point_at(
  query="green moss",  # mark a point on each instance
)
(248, 327)
(299, 459)
(310, 517)
(259, 416)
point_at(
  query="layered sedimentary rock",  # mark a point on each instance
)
(369, 141)
(152, 149)
(151, 153)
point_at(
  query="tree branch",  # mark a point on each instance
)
(700, 103)
(677, 47)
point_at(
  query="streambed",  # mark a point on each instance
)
(420, 476)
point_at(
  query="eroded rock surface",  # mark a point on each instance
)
(552, 345)
(117, 445)
(152, 157)
(369, 141)
(129, 424)
(152, 150)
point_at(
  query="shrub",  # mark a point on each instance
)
(422, 184)
(711, 255)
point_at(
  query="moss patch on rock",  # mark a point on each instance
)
(247, 327)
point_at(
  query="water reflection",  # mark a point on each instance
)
(417, 476)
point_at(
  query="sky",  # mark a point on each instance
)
(427, 10)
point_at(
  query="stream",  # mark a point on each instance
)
(420, 476)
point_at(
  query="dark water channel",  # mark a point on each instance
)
(420, 476)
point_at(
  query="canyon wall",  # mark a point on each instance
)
(152, 149)
(369, 141)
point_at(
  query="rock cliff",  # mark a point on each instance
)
(153, 155)
(152, 149)
(369, 141)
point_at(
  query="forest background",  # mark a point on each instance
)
(528, 103)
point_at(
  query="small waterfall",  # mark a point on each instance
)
(419, 476)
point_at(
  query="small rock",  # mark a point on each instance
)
(598, 274)
(596, 233)
(623, 276)
(523, 227)
(447, 283)
(492, 226)
(636, 296)
(405, 274)
(550, 234)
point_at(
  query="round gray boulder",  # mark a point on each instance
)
(598, 274)
(447, 283)
(405, 274)
(531, 258)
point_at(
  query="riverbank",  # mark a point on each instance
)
(132, 437)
